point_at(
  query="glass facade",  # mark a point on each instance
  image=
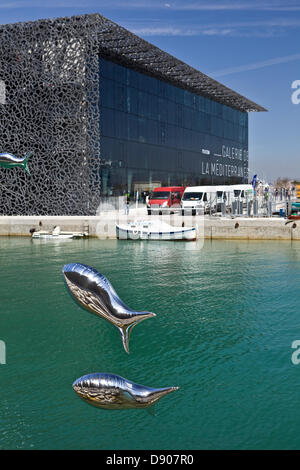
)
(156, 134)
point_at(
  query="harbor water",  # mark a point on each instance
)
(227, 315)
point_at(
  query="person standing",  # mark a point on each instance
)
(127, 203)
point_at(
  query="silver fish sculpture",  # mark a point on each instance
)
(113, 392)
(95, 293)
(7, 160)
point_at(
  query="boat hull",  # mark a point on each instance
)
(126, 234)
(61, 236)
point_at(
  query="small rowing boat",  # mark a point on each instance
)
(154, 230)
(56, 234)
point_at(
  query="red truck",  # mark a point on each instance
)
(162, 200)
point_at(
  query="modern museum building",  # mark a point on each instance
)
(106, 113)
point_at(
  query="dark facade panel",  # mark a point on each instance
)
(154, 132)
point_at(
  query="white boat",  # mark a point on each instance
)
(57, 234)
(154, 230)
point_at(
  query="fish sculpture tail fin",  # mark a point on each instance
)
(158, 393)
(126, 330)
(25, 163)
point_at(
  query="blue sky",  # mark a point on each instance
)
(250, 46)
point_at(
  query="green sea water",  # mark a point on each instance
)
(227, 315)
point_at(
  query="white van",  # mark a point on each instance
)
(243, 191)
(196, 198)
(202, 198)
(225, 194)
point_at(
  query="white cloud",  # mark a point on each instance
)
(34, 4)
(161, 31)
(237, 6)
(256, 65)
(218, 32)
(267, 28)
(179, 5)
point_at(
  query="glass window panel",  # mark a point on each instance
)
(171, 112)
(208, 104)
(198, 142)
(201, 103)
(153, 107)
(171, 136)
(214, 125)
(197, 122)
(133, 128)
(171, 93)
(153, 132)
(225, 126)
(108, 122)
(142, 129)
(220, 110)
(120, 74)
(153, 86)
(179, 137)
(133, 78)
(179, 95)
(187, 117)
(162, 89)
(197, 102)
(106, 68)
(213, 108)
(120, 97)
(141, 103)
(162, 133)
(132, 100)
(193, 114)
(188, 98)
(121, 125)
(146, 82)
(179, 115)
(106, 93)
(162, 110)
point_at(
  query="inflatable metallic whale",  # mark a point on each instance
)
(95, 293)
(113, 392)
(7, 160)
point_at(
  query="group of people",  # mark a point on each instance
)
(127, 199)
(284, 193)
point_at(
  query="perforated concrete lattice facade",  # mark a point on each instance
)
(49, 103)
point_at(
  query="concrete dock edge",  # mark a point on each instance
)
(103, 226)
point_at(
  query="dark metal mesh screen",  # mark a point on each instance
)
(51, 75)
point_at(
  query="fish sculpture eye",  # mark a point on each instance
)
(93, 291)
(110, 391)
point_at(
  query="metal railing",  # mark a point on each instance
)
(261, 205)
(267, 205)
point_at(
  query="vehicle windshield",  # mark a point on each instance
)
(160, 195)
(219, 193)
(192, 196)
(237, 192)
